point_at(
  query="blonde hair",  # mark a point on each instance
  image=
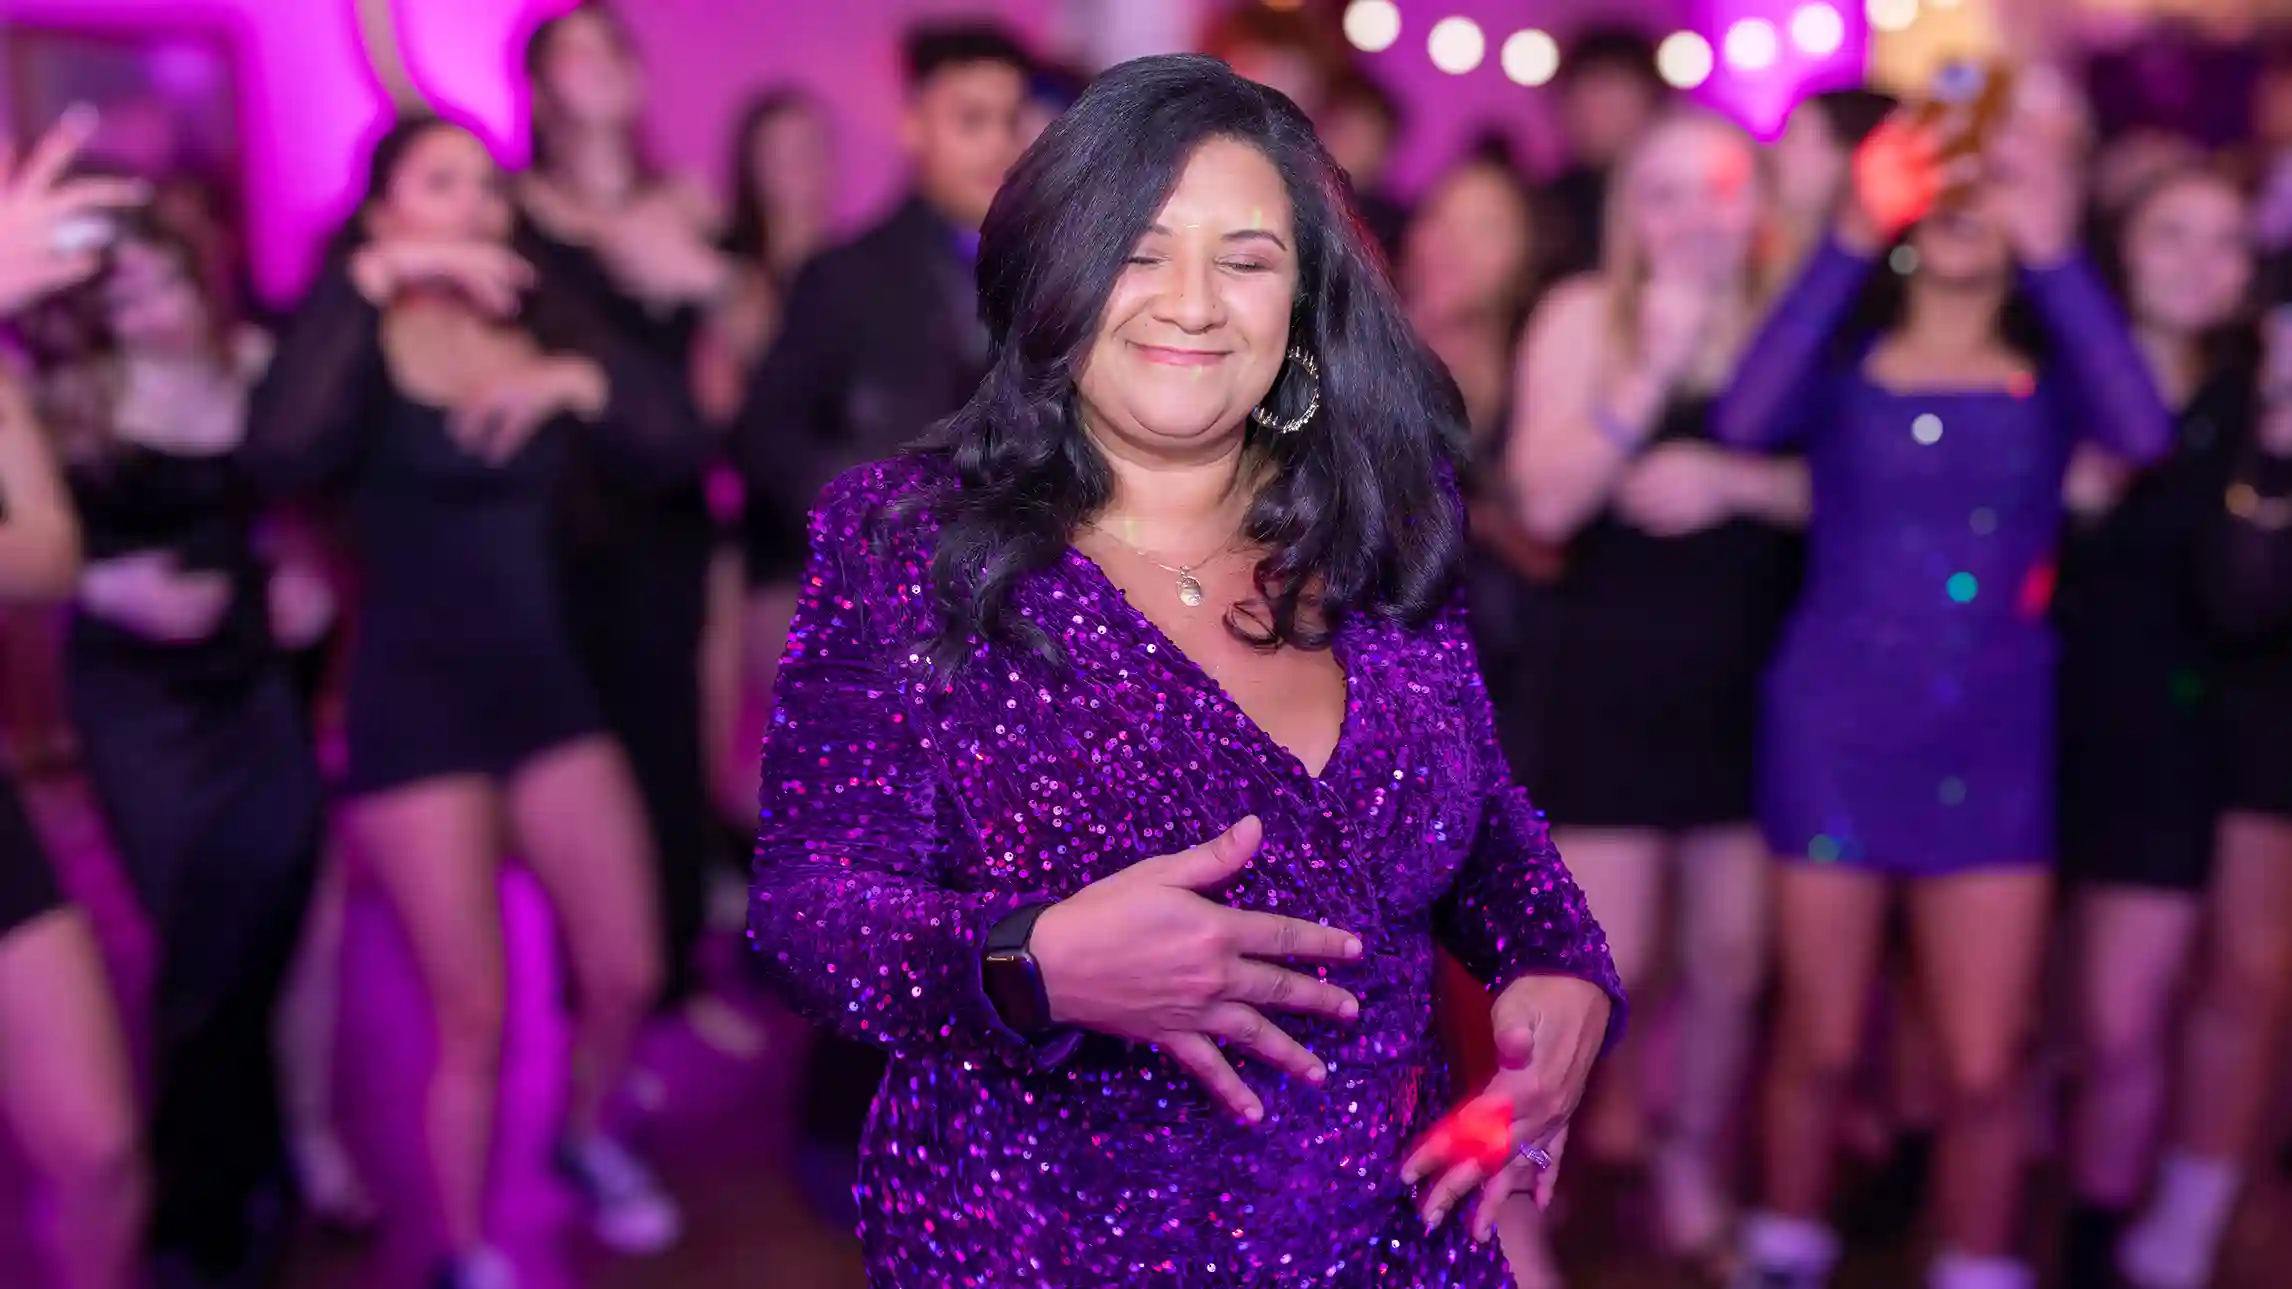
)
(1623, 262)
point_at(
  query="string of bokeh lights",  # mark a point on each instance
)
(1685, 59)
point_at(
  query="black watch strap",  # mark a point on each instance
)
(1013, 981)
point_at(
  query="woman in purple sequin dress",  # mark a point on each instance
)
(1908, 729)
(1130, 755)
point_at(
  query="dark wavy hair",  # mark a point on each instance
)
(1356, 514)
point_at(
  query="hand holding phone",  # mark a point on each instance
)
(52, 228)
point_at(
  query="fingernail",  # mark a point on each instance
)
(1351, 1009)
(1254, 1113)
(1352, 948)
(1318, 1074)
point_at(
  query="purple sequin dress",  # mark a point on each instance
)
(903, 815)
(1908, 720)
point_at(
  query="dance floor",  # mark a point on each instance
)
(718, 1124)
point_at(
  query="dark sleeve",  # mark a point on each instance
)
(650, 427)
(786, 435)
(306, 418)
(854, 910)
(2244, 569)
(1514, 911)
(1777, 397)
(2093, 359)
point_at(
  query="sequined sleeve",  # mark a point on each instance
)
(2092, 357)
(856, 907)
(1781, 381)
(1514, 910)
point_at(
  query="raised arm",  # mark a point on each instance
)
(2093, 360)
(852, 907)
(306, 419)
(1574, 429)
(39, 532)
(1782, 381)
(1514, 911)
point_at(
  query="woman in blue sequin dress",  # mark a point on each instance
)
(1908, 728)
(1131, 756)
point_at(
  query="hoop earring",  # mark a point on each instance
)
(1312, 369)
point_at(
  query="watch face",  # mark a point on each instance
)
(1015, 991)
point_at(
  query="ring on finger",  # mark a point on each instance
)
(1536, 1155)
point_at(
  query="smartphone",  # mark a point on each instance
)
(84, 233)
(1970, 99)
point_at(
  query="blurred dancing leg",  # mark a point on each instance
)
(1724, 877)
(1830, 924)
(69, 1098)
(2132, 954)
(2231, 1056)
(580, 825)
(1980, 942)
(1623, 875)
(434, 847)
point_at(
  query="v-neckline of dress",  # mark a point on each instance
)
(1159, 641)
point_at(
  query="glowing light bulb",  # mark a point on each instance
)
(1456, 45)
(1372, 25)
(1751, 45)
(1530, 57)
(1683, 60)
(1818, 30)
(1891, 15)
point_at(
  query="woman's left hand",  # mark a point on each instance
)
(1676, 489)
(1549, 1031)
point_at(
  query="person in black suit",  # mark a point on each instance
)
(882, 338)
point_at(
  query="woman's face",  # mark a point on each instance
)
(1692, 199)
(445, 188)
(2188, 258)
(151, 302)
(1466, 250)
(587, 74)
(1809, 163)
(1194, 331)
(790, 159)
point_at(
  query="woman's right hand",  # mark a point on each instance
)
(1899, 172)
(152, 595)
(487, 272)
(39, 253)
(1140, 955)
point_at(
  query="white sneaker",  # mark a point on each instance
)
(484, 1269)
(629, 1211)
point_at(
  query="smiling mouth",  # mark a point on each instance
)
(1180, 357)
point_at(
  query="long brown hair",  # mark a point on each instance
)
(1623, 262)
(77, 353)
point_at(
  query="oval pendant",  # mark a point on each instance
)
(1189, 591)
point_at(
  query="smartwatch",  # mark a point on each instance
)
(1013, 980)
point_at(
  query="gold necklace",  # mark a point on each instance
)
(1190, 592)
